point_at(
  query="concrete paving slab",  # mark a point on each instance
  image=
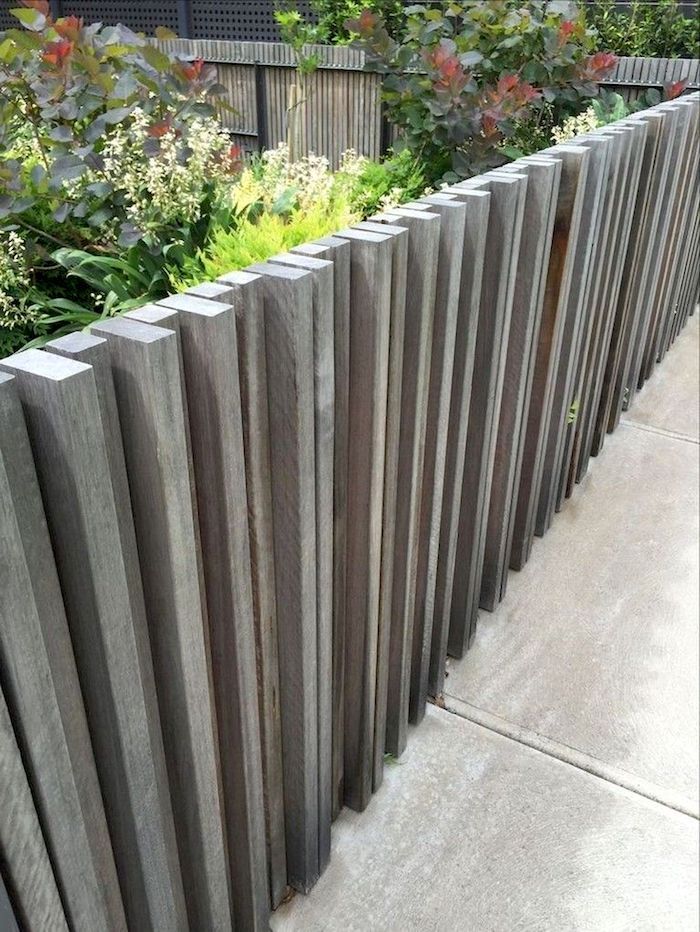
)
(596, 644)
(473, 832)
(669, 400)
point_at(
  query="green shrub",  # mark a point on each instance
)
(334, 14)
(647, 30)
(109, 150)
(385, 184)
(465, 76)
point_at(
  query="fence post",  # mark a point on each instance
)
(184, 19)
(260, 105)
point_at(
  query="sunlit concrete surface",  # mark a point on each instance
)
(596, 643)
(559, 789)
(474, 831)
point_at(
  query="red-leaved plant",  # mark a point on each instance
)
(465, 77)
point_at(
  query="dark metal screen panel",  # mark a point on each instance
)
(139, 16)
(239, 20)
(136, 14)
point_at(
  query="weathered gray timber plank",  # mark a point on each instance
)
(472, 265)
(42, 690)
(8, 922)
(288, 309)
(620, 166)
(167, 317)
(634, 276)
(370, 327)
(324, 440)
(244, 292)
(399, 264)
(629, 317)
(146, 368)
(622, 254)
(599, 312)
(678, 239)
(622, 142)
(89, 513)
(452, 213)
(617, 396)
(421, 281)
(588, 305)
(502, 247)
(338, 251)
(562, 398)
(558, 283)
(210, 357)
(25, 860)
(674, 145)
(686, 243)
(678, 196)
(533, 260)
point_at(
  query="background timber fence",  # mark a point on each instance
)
(343, 108)
(241, 529)
(237, 20)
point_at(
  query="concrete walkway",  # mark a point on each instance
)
(559, 788)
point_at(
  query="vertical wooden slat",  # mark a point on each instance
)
(472, 262)
(338, 251)
(41, 686)
(542, 189)
(324, 412)
(25, 860)
(117, 670)
(399, 264)
(244, 292)
(502, 246)
(370, 317)
(566, 366)
(423, 244)
(452, 213)
(288, 308)
(603, 143)
(602, 311)
(210, 356)
(567, 220)
(147, 381)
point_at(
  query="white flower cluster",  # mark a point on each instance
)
(310, 178)
(14, 280)
(168, 187)
(575, 126)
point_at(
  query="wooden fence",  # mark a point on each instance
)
(343, 108)
(241, 529)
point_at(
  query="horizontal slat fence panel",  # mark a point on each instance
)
(241, 530)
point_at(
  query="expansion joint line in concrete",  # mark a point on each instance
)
(671, 434)
(574, 758)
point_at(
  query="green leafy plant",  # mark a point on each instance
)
(109, 150)
(333, 15)
(465, 76)
(299, 34)
(647, 30)
(279, 203)
(379, 185)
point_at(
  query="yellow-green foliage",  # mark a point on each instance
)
(259, 239)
